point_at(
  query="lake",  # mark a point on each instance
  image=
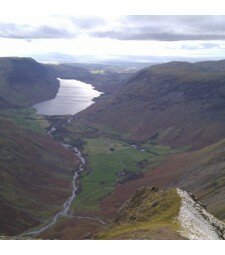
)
(73, 96)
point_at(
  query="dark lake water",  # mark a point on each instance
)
(73, 96)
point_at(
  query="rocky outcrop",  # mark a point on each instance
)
(195, 222)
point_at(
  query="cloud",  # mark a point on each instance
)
(130, 28)
(84, 22)
(10, 30)
(143, 34)
(167, 28)
(201, 46)
(55, 27)
(209, 45)
(190, 47)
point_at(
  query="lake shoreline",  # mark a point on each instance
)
(73, 96)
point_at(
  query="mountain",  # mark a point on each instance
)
(35, 171)
(24, 82)
(177, 103)
(66, 71)
(163, 214)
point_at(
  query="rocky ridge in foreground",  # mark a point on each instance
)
(164, 214)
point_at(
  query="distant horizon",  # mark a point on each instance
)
(96, 60)
(132, 38)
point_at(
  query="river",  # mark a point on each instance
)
(66, 208)
(73, 96)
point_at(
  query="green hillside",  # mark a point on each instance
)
(23, 82)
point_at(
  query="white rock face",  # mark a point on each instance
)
(196, 223)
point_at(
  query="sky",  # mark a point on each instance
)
(148, 38)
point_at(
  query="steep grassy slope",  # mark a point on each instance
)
(35, 175)
(23, 82)
(26, 118)
(148, 214)
(202, 172)
(35, 171)
(177, 103)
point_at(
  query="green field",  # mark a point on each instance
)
(26, 118)
(106, 158)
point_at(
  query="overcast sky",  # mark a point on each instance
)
(133, 38)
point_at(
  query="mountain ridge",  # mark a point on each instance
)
(163, 214)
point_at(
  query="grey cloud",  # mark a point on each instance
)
(142, 35)
(167, 28)
(190, 22)
(136, 27)
(9, 30)
(24, 31)
(51, 32)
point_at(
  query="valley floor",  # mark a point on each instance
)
(115, 168)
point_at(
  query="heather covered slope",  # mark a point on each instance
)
(202, 172)
(23, 82)
(177, 103)
(163, 214)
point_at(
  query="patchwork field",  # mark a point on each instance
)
(110, 161)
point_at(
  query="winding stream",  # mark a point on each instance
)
(67, 205)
